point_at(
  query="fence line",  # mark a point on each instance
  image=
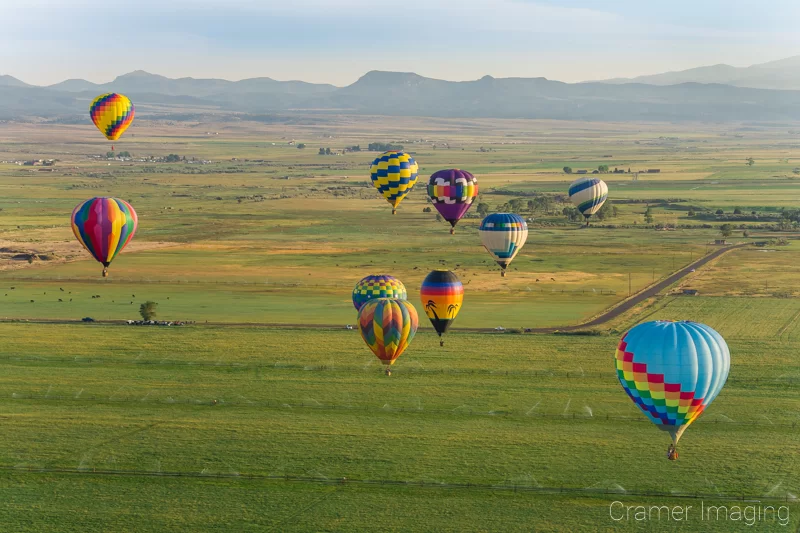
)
(349, 287)
(554, 374)
(315, 405)
(588, 491)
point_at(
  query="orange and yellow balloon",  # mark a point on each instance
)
(112, 113)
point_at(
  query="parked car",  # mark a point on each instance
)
(87, 319)
(499, 328)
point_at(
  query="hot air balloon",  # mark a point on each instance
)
(112, 113)
(672, 371)
(104, 226)
(381, 286)
(394, 175)
(387, 326)
(452, 193)
(503, 235)
(588, 195)
(442, 294)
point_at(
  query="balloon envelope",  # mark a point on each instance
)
(672, 371)
(104, 226)
(112, 113)
(380, 286)
(588, 195)
(442, 295)
(394, 174)
(503, 235)
(387, 326)
(452, 193)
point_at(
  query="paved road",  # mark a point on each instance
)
(606, 316)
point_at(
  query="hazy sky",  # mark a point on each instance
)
(336, 41)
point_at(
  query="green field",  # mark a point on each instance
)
(236, 426)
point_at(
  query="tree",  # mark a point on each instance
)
(483, 209)
(737, 211)
(648, 218)
(602, 168)
(172, 158)
(327, 151)
(750, 161)
(572, 213)
(426, 209)
(110, 155)
(148, 310)
(439, 218)
(720, 212)
(692, 213)
(726, 230)
(124, 154)
(567, 170)
(745, 234)
(321, 151)
(383, 147)
(301, 146)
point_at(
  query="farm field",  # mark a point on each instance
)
(236, 426)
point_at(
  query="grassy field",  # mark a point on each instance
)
(248, 428)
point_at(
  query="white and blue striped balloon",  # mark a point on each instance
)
(588, 195)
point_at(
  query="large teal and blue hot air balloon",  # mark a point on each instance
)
(672, 371)
(588, 195)
(503, 235)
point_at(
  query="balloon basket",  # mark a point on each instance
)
(452, 231)
(105, 272)
(441, 343)
(388, 371)
(394, 211)
(502, 273)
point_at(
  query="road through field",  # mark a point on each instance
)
(606, 316)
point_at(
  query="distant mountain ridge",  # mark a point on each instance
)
(783, 74)
(407, 93)
(140, 81)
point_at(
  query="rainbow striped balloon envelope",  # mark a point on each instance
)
(112, 113)
(588, 195)
(380, 286)
(394, 174)
(672, 371)
(452, 193)
(104, 226)
(442, 295)
(387, 326)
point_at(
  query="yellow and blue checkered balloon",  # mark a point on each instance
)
(394, 174)
(380, 286)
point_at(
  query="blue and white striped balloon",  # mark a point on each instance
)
(588, 195)
(503, 235)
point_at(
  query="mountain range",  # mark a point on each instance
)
(716, 93)
(783, 74)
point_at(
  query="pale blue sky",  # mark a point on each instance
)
(336, 41)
